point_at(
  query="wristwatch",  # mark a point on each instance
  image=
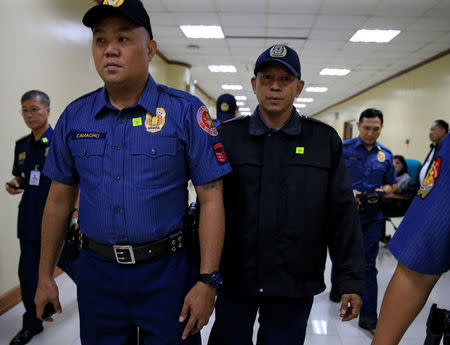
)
(214, 279)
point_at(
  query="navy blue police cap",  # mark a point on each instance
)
(131, 9)
(282, 54)
(226, 107)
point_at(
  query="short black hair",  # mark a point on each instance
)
(371, 113)
(442, 124)
(405, 166)
(32, 94)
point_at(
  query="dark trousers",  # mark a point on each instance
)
(30, 253)
(281, 320)
(114, 299)
(371, 237)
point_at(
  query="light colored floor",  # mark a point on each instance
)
(324, 325)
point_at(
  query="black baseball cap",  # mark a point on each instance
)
(131, 9)
(282, 54)
(226, 107)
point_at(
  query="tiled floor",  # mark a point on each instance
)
(324, 325)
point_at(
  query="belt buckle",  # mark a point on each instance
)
(124, 254)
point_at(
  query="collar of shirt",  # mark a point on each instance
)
(147, 100)
(258, 126)
(375, 146)
(46, 137)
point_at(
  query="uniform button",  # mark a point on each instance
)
(83, 153)
(261, 290)
(121, 121)
(117, 177)
(153, 152)
(116, 209)
(117, 147)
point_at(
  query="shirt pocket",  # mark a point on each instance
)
(155, 162)
(89, 159)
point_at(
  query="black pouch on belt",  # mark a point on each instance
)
(191, 222)
(73, 238)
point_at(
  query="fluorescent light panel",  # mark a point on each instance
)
(377, 36)
(244, 109)
(240, 104)
(222, 68)
(335, 71)
(241, 98)
(245, 113)
(305, 100)
(232, 87)
(316, 89)
(299, 105)
(202, 31)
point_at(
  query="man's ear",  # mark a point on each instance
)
(254, 84)
(300, 85)
(151, 47)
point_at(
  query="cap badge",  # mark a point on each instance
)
(224, 106)
(113, 3)
(278, 51)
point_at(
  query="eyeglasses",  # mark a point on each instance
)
(32, 111)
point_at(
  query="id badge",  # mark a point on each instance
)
(35, 177)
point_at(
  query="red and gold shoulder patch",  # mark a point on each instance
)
(430, 179)
(205, 122)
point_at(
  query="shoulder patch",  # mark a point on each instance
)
(430, 179)
(205, 122)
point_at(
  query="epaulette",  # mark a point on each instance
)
(234, 120)
(25, 137)
(384, 148)
(86, 95)
(177, 93)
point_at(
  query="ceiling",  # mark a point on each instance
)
(323, 29)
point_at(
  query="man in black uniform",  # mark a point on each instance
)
(29, 157)
(287, 200)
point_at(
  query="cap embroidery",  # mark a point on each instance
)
(278, 51)
(113, 3)
(224, 107)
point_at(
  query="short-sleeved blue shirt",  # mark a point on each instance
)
(133, 165)
(369, 170)
(422, 241)
(30, 155)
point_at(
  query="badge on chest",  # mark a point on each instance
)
(35, 177)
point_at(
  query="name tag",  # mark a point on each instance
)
(35, 177)
(89, 135)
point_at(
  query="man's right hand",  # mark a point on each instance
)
(11, 190)
(47, 291)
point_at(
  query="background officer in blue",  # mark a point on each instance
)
(421, 245)
(371, 168)
(226, 108)
(131, 147)
(287, 200)
(29, 157)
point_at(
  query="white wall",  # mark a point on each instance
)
(410, 103)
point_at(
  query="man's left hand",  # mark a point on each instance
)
(350, 307)
(199, 305)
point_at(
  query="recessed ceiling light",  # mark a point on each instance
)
(202, 31)
(299, 105)
(335, 71)
(222, 68)
(241, 98)
(244, 109)
(240, 104)
(232, 87)
(305, 100)
(377, 36)
(316, 89)
(245, 113)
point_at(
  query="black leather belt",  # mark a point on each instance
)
(134, 253)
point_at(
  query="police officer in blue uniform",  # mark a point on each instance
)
(421, 245)
(226, 108)
(287, 200)
(131, 147)
(372, 172)
(29, 157)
